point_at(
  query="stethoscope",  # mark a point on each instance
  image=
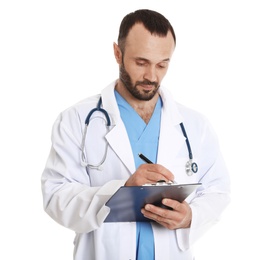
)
(190, 167)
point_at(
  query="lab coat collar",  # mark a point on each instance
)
(117, 136)
(110, 104)
(171, 138)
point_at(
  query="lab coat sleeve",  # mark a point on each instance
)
(67, 195)
(213, 197)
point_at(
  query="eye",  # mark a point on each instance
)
(140, 63)
(162, 65)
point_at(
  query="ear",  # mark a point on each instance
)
(117, 53)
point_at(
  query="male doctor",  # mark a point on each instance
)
(78, 180)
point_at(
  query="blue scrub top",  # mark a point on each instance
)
(143, 139)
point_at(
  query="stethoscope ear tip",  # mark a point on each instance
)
(99, 168)
(84, 164)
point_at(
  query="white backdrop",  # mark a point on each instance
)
(54, 53)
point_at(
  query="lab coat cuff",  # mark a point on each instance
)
(104, 195)
(183, 238)
(200, 224)
(187, 236)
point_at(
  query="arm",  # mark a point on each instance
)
(67, 195)
(192, 218)
(201, 210)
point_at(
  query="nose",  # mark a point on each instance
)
(150, 74)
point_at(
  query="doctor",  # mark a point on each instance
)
(85, 169)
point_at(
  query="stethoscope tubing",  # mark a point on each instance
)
(98, 108)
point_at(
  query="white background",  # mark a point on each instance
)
(54, 53)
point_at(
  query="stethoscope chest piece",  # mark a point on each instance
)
(191, 167)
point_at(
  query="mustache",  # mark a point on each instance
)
(147, 82)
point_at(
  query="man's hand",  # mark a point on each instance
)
(149, 173)
(179, 217)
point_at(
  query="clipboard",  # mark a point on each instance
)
(125, 205)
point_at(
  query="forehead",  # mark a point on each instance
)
(141, 43)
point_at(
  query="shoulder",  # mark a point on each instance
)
(84, 106)
(191, 115)
(178, 111)
(79, 110)
(196, 122)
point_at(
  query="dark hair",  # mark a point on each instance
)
(153, 21)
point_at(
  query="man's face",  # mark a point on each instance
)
(145, 62)
(147, 93)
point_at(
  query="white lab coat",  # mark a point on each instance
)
(75, 196)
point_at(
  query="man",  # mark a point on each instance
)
(85, 169)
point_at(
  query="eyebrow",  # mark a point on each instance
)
(144, 59)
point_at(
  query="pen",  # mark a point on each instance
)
(147, 160)
(144, 158)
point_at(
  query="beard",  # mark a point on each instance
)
(145, 95)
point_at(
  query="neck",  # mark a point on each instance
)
(143, 108)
